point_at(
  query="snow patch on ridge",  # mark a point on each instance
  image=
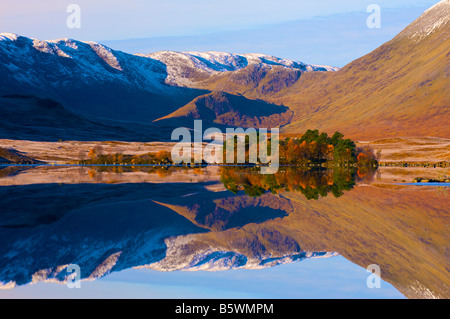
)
(106, 54)
(181, 65)
(431, 20)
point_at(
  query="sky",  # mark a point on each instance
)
(318, 32)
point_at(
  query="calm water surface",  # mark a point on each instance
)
(219, 233)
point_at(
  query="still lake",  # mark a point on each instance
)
(221, 233)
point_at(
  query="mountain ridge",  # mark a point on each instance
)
(93, 80)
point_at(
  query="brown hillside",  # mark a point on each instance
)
(253, 81)
(400, 89)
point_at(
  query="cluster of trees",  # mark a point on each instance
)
(97, 156)
(311, 147)
(318, 147)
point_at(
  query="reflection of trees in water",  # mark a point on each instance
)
(312, 183)
(365, 174)
(162, 171)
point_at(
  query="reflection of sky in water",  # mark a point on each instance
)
(333, 277)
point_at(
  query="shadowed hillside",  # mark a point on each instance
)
(33, 118)
(9, 156)
(232, 110)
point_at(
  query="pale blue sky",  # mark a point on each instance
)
(240, 26)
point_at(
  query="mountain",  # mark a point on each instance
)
(262, 77)
(399, 89)
(191, 69)
(89, 78)
(95, 81)
(90, 228)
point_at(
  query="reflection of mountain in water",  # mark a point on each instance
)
(180, 226)
(401, 229)
(225, 213)
(89, 232)
(105, 228)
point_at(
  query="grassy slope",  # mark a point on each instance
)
(253, 81)
(400, 89)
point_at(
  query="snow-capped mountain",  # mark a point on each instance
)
(94, 80)
(431, 20)
(213, 63)
(64, 59)
(59, 62)
(88, 78)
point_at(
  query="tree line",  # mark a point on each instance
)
(318, 147)
(312, 147)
